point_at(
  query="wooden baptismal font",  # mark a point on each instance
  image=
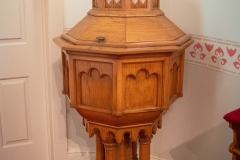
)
(122, 68)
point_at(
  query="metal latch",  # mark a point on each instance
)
(100, 39)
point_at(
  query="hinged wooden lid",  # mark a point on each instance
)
(126, 24)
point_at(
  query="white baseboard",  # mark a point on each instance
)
(90, 152)
(156, 158)
(82, 150)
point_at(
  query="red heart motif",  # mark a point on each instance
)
(214, 59)
(236, 64)
(209, 47)
(198, 47)
(202, 56)
(231, 52)
(223, 61)
(219, 52)
(193, 54)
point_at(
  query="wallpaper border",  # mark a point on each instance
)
(214, 53)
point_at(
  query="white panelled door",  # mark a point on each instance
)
(23, 125)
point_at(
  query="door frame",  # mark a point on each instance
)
(52, 18)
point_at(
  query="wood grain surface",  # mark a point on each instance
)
(123, 66)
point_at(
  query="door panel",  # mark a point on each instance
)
(15, 113)
(12, 20)
(23, 125)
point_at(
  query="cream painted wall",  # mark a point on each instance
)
(215, 18)
(208, 95)
(193, 128)
(74, 11)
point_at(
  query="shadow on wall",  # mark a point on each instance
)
(208, 96)
(57, 94)
(78, 138)
(200, 148)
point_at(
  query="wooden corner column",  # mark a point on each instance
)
(122, 68)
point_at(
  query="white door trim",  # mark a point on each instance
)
(52, 11)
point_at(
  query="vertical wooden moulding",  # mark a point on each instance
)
(155, 4)
(65, 70)
(128, 4)
(94, 4)
(174, 80)
(166, 82)
(181, 73)
(160, 89)
(117, 89)
(101, 4)
(176, 76)
(78, 89)
(72, 81)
